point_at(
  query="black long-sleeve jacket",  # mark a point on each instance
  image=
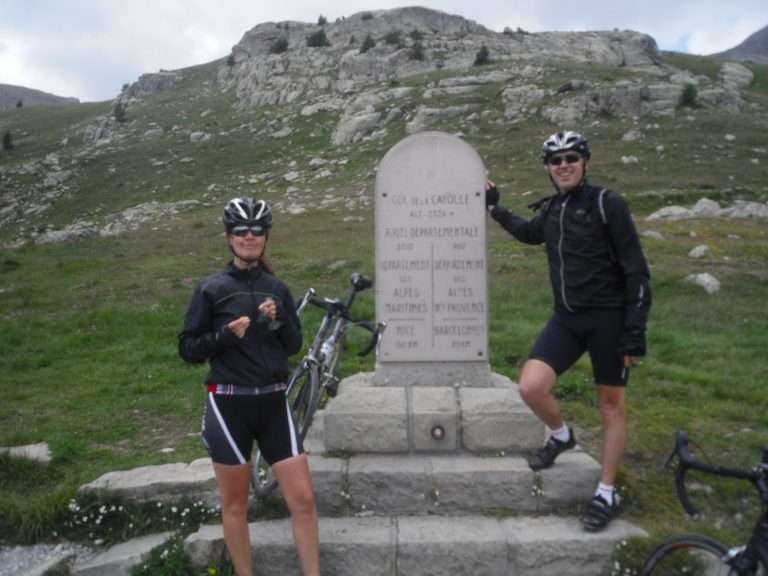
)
(594, 253)
(260, 358)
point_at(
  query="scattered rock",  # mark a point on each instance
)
(710, 284)
(632, 136)
(199, 137)
(653, 234)
(37, 452)
(699, 251)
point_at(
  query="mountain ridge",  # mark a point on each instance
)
(11, 95)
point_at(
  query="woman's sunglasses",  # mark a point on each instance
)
(569, 159)
(243, 230)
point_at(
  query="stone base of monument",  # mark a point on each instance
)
(370, 418)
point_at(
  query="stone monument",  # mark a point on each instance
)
(431, 287)
(433, 389)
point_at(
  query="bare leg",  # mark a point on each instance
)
(536, 383)
(614, 416)
(296, 485)
(234, 483)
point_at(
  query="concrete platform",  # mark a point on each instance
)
(366, 418)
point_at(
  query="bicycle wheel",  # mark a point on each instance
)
(302, 396)
(689, 555)
(303, 392)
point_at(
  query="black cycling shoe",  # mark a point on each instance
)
(598, 513)
(545, 457)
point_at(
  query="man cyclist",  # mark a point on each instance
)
(602, 296)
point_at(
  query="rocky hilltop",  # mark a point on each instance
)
(754, 48)
(273, 63)
(352, 66)
(321, 98)
(10, 96)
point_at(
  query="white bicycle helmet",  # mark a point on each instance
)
(562, 142)
(247, 212)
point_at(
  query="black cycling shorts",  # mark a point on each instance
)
(231, 422)
(597, 330)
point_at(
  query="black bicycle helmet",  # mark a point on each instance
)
(247, 212)
(563, 142)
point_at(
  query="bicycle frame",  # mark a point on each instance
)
(313, 376)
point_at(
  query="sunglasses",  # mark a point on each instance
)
(242, 231)
(568, 158)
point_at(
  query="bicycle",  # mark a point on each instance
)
(698, 554)
(316, 376)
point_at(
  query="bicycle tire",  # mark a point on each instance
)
(688, 554)
(302, 396)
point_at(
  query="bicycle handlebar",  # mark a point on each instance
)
(336, 306)
(377, 332)
(687, 461)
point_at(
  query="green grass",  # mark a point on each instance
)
(89, 328)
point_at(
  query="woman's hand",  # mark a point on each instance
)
(240, 326)
(268, 309)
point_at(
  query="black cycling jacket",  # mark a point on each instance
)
(260, 358)
(594, 253)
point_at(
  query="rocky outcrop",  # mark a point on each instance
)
(262, 74)
(706, 208)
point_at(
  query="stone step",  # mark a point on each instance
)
(121, 559)
(449, 484)
(419, 545)
(367, 418)
(159, 483)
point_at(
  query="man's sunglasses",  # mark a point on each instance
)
(569, 159)
(242, 231)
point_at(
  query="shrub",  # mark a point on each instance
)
(394, 38)
(20, 104)
(483, 56)
(368, 43)
(322, 20)
(231, 60)
(7, 140)
(690, 96)
(366, 16)
(119, 112)
(279, 45)
(417, 36)
(318, 39)
(416, 52)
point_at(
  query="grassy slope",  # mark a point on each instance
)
(89, 328)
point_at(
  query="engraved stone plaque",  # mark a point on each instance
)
(431, 281)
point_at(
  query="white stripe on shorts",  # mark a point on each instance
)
(291, 430)
(224, 428)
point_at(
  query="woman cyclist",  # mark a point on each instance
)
(242, 321)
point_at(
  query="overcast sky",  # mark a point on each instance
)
(89, 48)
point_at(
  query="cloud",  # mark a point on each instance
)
(718, 40)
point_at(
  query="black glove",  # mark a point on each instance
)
(491, 197)
(632, 343)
